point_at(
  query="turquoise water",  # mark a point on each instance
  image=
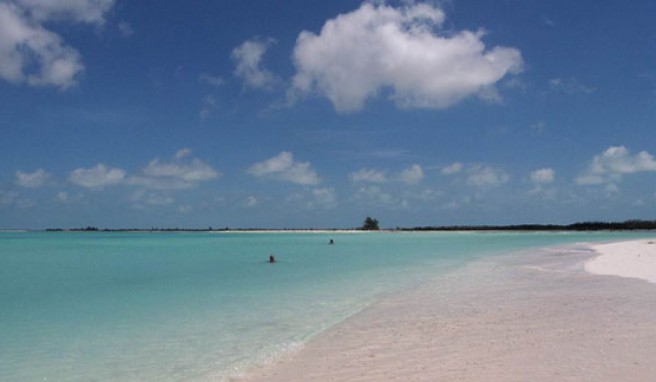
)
(205, 306)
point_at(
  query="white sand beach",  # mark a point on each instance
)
(536, 316)
(636, 259)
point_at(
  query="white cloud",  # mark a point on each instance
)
(486, 176)
(97, 177)
(251, 201)
(83, 11)
(66, 198)
(32, 180)
(175, 175)
(181, 173)
(32, 54)
(543, 176)
(616, 161)
(368, 175)
(283, 167)
(183, 153)
(541, 180)
(379, 47)
(374, 195)
(324, 197)
(63, 196)
(142, 197)
(412, 175)
(211, 80)
(248, 60)
(569, 86)
(125, 29)
(453, 168)
(546, 21)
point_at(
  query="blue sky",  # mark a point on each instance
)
(303, 113)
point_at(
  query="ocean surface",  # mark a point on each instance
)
(207, 306)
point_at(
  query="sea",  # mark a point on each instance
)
(208, 306)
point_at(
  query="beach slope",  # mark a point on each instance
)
(535, 316)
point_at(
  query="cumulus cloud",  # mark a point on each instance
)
(32, 179)
(97, 177)
(453, 168)
(616, 161)
(412, 175)
(543, 176)
(248, 60)
(32, 54)
(378, 47)
(486, 176)
(541, 179)
(83, 11)
(195, 171)
(178, 174)
(368, 175)
(283, 167)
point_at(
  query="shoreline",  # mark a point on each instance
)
(539, 315)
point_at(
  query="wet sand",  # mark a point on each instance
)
(535, 316)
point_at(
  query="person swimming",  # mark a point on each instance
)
(331, 241)
(272, 259)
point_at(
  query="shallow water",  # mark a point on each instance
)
(206, 306)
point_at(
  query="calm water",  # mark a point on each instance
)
(205, 306)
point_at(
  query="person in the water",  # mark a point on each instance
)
(272, 259)
(331, 241)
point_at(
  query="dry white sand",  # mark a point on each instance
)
(528, 317)
(636, 259)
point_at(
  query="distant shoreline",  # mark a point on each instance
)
(629, 225)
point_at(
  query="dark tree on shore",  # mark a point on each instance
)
(370, 224)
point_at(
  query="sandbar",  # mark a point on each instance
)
(635, 259)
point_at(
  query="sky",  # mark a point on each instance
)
(317, 114)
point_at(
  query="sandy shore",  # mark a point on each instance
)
(527, 317)
(635, 259)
